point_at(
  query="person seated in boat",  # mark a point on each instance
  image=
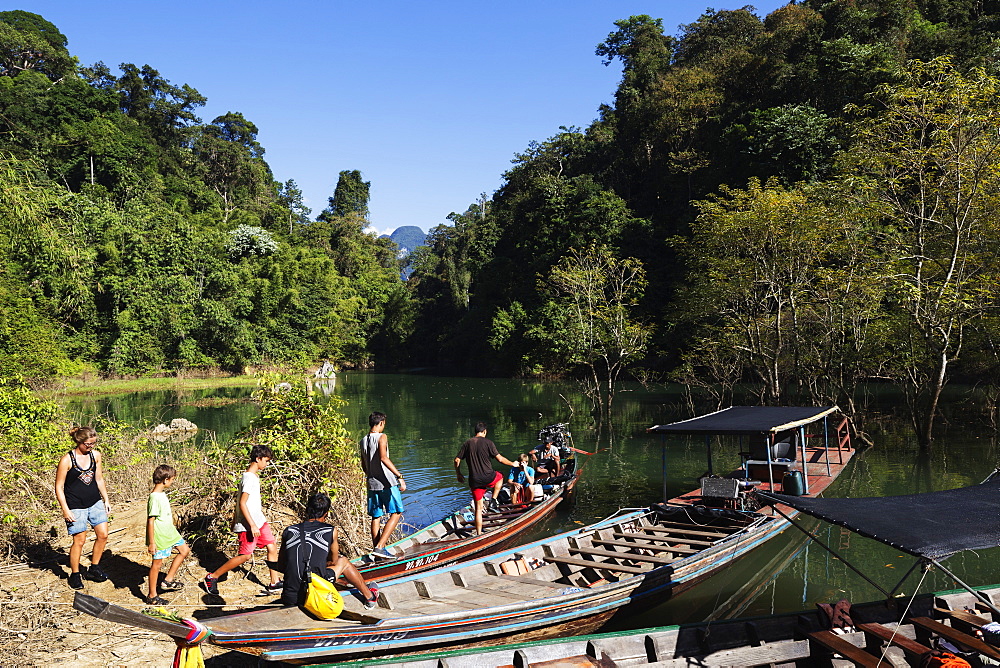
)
(548, 458)
(312, 547)
(520, 479)
(477, 452)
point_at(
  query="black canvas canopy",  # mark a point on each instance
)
(931, 526)
(747, 420)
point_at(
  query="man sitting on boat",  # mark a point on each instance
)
(547, 455)
(478, 451)
(312, 547)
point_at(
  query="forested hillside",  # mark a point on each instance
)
(139, 238)
(798, 203)
(801, 202)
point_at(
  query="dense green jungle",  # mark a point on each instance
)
(799, 203)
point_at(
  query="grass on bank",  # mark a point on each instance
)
(100, 387)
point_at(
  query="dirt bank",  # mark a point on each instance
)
(38, 626)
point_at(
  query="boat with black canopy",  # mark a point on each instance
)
(930, 526)
(789, 449)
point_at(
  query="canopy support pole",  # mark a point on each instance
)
(837, 556)
(663, 464)
(978, 594)
(900, 583)
(826, 446)
(805, 462)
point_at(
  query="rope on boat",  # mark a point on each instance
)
(906, 610)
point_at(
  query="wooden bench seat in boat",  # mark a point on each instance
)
(595, 564)
(678, 529)
(642, 546)
(611, 554)
(847, 649)
(658, 547)
(911, 648)
(965, 619)
(926, 626)
(664, 539)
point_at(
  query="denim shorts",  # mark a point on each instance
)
(96, 514)
(384, 501)
(165, 552)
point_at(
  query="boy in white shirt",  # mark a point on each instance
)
(250, 525)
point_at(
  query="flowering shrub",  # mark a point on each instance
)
(247, 240)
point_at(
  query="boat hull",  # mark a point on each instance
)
(423, 551)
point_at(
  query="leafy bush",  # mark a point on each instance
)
(313, 452)
(34, 435)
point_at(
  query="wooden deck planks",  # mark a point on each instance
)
(595, 564)
(628, 556)
(676, 527)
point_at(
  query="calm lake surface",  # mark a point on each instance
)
(429, 417)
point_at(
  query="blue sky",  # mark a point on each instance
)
(430, 100)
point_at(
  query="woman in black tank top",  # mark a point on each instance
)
(80, 490)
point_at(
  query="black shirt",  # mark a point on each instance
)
(81, 483)
(305, 548)
(478, 453)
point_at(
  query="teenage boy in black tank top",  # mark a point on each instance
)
(83, 499)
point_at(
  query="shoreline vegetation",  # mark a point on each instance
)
(314, 451)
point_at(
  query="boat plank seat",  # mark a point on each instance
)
(524, 579)
(641, 546)
(580, 661)
(652, 540)
(629, 556)
(679, 529)
(667, 542)
(656, 539)
(911, 648)
(839, 645)
(965, 620)
(932, 626)
(490, 519)
(595, 564)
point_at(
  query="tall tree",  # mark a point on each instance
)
(350, 196)
(931, 162)
(29, 42)
(591, 317)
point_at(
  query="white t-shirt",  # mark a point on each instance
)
(249, 485)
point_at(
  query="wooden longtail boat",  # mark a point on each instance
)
(566, 584)
(792, 639)
(453, 538)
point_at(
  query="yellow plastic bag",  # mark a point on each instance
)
(323, 600)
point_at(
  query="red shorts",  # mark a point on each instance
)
(478, 493)
(248, 543)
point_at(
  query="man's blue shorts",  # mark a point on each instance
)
(96, 514)
(384, 501)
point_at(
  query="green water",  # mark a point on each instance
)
(429, 417)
